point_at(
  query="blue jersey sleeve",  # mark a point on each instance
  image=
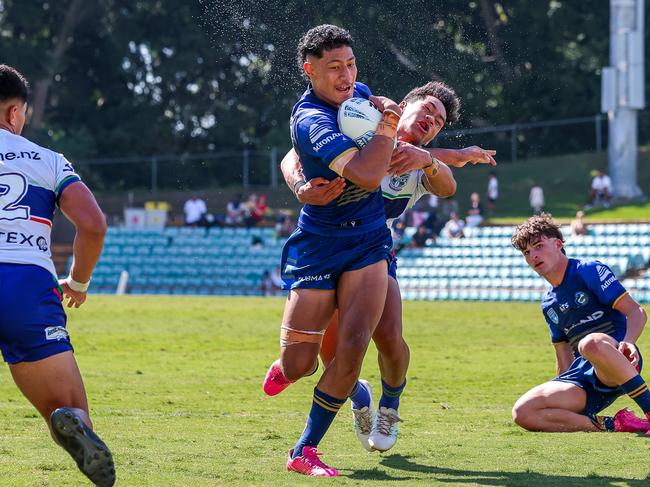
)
(318, 135)
(551, 317)
(602, 282)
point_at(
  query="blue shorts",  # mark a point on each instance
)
(32, 320)
(392, 268)
(599, 396)
(311, 261)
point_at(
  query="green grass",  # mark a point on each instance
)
(565, 179)
(175, 390)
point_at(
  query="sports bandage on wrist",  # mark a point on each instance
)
(80, 287)
(433, 168)
(388, 124)
(291, 336)
(297, 185)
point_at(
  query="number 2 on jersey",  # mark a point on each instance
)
(13, 187)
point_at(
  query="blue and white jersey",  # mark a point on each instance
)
(319, 143)
(32, 179)
(583, 303)
(401, 193)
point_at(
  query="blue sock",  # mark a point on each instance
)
(360, 396)
(390, 395)
(637, 389)
(323, 410)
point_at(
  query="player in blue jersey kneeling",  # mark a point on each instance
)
(594, 325)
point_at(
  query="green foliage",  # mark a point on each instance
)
(160, 76)
(175, 390)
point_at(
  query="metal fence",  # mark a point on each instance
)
(251, 167)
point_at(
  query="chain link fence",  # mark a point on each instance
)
(255, 168)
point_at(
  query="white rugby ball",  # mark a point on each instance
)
(358, 119)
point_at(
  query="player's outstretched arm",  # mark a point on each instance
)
(316, 191)
(80, 207)
(636, 320)
(367, 167)
(564, 356)
(460, 157)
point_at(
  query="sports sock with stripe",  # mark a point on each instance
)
(637, 389)
(390, 395)
(323, 411)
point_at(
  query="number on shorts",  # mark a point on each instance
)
(13, 187)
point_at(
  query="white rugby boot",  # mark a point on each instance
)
(364, 419)
(384, 432)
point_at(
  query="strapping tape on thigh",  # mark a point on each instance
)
(290, 336)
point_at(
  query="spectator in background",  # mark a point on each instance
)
(536, 199)
(420, 237)
(256, 209)
(578, 225)
(601, 190)
(235, 211)
(492, 192)
(397, 233)
(276, 278)
(284, 226)
(266, 285)
(454, 228)
(475, 212)
(195, 211)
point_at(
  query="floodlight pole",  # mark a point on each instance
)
(623, 94)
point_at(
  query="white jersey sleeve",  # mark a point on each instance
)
(32, 179)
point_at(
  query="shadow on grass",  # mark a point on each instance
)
(505, 479)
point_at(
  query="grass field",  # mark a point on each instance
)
(175, 390)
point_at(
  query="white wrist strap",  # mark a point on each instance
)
(80, 287)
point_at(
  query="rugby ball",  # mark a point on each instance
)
(358, 119)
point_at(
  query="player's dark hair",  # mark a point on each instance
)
(533, 229)
(442, 92)
(321, 38)
(12, 84)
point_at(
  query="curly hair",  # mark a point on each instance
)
(12, 84)
(442, 92)
(533, 229)
(321, 38)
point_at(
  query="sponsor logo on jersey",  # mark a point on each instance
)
(397, 183)
(581, 298)
(320, 277)
(606, 284)
(596, 315)
(603, 272)
(20, 238)
(606, 277)
(316, 132)
(56, 333)
(10, 156)
(564, 307)
(553, 316)
(326, 140)
(41, 243)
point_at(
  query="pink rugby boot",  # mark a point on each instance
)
(275, 382)
(309, 464)
(625, 421)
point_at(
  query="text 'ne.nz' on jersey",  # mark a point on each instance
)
(319, 143)
(583, 304)
(32, 179)
(401, 193)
